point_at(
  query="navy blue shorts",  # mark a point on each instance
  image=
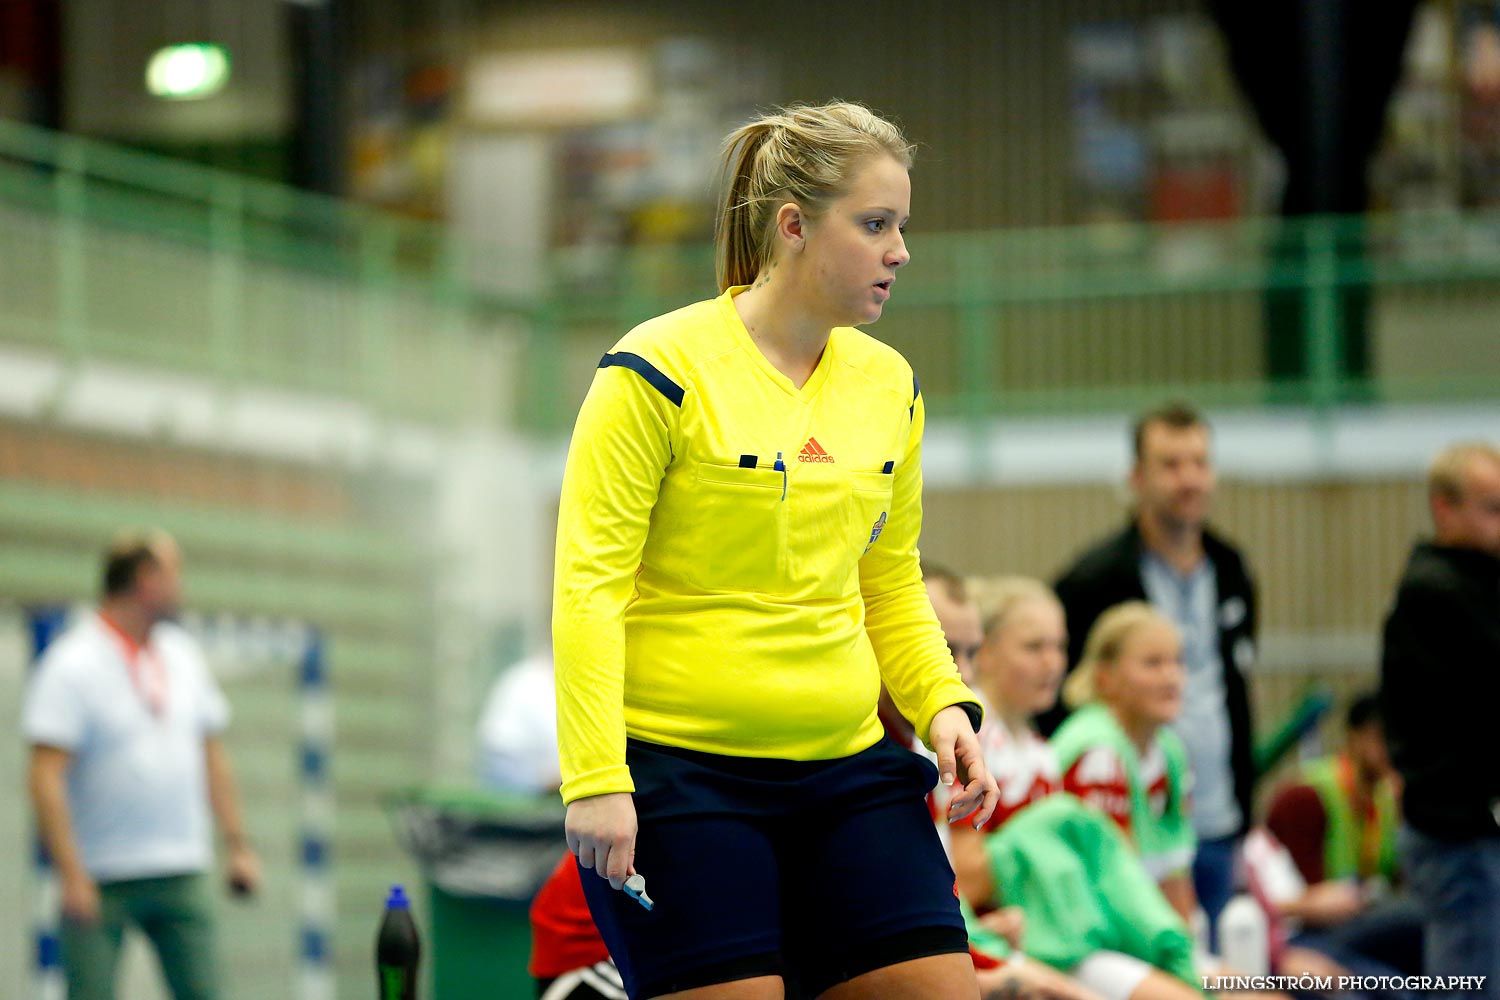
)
(816, 871)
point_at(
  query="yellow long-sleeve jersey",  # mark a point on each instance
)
(737, 561)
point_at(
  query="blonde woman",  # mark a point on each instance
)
(1018, 670)
(1116, 751)
(737, 573)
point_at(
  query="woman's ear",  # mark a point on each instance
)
(790, 226)
(1103, 680)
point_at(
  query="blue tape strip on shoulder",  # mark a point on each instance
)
(647, 371)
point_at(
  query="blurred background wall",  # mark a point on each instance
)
(329, 324)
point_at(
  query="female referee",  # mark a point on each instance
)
(736, 574)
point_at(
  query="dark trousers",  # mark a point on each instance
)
(175, 912)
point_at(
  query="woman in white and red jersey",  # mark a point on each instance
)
(1018, 671)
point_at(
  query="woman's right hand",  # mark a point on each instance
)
(80, 899)
(601, 834)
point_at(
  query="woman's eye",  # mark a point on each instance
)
(875, 225)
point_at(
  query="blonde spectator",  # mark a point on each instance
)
(1116, 751)
(1017, 671)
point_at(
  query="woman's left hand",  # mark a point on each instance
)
(952, 738)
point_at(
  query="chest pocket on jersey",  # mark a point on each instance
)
(743, 511)
(869, 507)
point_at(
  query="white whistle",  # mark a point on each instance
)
(635, 888)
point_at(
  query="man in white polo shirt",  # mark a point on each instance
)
(123, 719)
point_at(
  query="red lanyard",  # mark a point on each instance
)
(147, 674)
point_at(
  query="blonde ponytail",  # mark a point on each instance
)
(806, 155)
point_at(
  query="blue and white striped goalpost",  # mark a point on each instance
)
(316, 902)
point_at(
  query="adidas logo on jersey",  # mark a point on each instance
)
(813, 452)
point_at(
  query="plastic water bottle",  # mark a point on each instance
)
(398, 949)
(1198, 928)
(1245, 937)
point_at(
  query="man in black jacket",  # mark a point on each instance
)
(1440, 691)
(1167, 555)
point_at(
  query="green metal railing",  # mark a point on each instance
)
(117, 255)
(1249, 313)
(108, 253)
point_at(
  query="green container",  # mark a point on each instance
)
(479, 947)
(484, 856)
